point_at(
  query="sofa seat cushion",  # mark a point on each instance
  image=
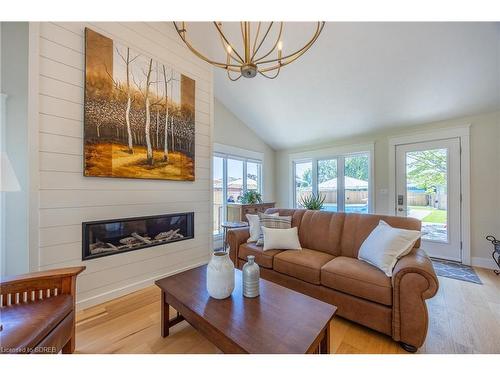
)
(25, 325)
(357, 278)
(302, 264)
(262, 258)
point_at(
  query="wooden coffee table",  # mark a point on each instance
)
(280, 320)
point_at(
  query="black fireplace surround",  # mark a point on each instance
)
(109, 237)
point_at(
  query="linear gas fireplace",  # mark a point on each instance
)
(109, 237)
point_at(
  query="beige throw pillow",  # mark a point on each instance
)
(385, 245)
(284, 239)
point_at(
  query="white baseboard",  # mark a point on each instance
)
(127, 289)
(488, 263)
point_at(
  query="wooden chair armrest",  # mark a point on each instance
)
(39, 285)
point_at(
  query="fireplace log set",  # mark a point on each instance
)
(135, 240)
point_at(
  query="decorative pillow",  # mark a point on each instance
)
(254, 222)
(275, 222)
(287, 239)
(385, 245)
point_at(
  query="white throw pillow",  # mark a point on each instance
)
(254, 223)
(284, 239)
(385, 245)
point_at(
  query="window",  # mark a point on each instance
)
(218, 183)
(234, 182)
(303, 181)
(327, 183)
(232, 176)
(253, 176)
(344, 182)
(356, 177)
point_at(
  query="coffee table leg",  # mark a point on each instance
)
(324, 345)
(165, 317)
(166, 322)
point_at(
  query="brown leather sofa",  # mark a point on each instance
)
(327, 268)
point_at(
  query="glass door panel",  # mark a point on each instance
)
(427, 191)
(327, 183)
(356, 177)
(234, 180)
(218, 184)
(253, 176)
(303, 181)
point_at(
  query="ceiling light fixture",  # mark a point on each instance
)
(251, 63)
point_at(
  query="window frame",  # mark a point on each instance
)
(294, 174)
(225, 156)
(340, 154)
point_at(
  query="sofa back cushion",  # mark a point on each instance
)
(338, 233)
(296, 214)
(321, 231)
(357, 227)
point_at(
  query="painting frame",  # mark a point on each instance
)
(139, 114)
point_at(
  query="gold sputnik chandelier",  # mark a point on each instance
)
(250, 62)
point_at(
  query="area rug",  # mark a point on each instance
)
(455, 270)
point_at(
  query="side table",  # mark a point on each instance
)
(230, 225)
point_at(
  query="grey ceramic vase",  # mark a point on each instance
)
(251, 276)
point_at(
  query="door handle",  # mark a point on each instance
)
(401, 209)
(400, 199)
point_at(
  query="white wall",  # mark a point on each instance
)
(231, 131)
(67, 198)
(485, 174)
(14, 210)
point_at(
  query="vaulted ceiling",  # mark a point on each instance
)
(366, 77)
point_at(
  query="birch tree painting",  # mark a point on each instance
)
(139, 114)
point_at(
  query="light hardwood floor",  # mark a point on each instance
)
(464, 318)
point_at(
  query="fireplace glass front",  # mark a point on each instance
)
(109, 237)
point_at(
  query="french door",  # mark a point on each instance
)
(428, 188)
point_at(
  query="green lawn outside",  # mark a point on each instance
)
(436, 216)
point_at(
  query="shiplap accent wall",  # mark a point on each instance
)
(67, 198)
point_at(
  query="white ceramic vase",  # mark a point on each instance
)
(220, 275)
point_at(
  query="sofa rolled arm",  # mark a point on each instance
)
(236, 237)
(413, 281)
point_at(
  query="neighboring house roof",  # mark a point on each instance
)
(351, 183)
(237, 184)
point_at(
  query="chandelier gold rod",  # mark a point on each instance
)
(246, 41)
(255, 40)
(232, 67)
(229, 53)
(225, 39)
(263, 38)
(274, 76)
(229, 75)
(299, 52)
(274, 46)
(290, 58)
(233, 79)
(242, 34)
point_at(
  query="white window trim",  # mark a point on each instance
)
(331, 153)
(463, 134)
(237, 152)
